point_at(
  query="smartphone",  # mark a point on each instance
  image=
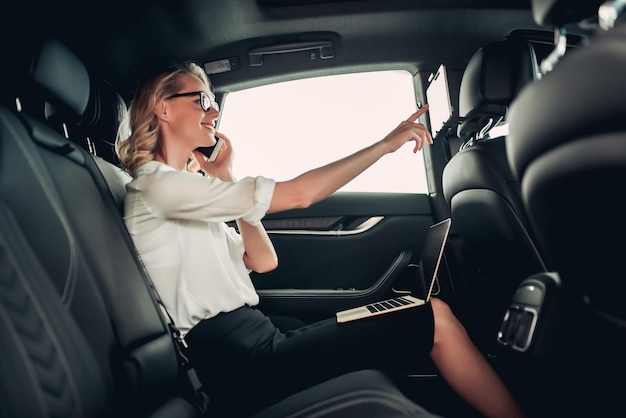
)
(212, 152)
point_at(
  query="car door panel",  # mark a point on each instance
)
(346, 250)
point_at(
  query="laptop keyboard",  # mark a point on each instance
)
(388, 304)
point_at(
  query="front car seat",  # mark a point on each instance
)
(567, 144)
(572, 164)
(482, 193)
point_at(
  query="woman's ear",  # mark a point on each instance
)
(161, 110)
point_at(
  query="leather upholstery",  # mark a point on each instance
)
(101, 120)
(47, 366)
(492, 78)
(481, 190)
(571, 160)
(67, 88)
(60, 201)
(567, 144)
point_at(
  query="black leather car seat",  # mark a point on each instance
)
(481, 190)
(100, 121)
(572, 163)
(567, 144)
(61, 204)
(82, 334)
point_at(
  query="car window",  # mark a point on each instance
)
(284, 129)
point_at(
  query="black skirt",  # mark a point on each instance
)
(247, 363)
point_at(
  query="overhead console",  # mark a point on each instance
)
(266, 57)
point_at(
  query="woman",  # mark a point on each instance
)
(201, 267)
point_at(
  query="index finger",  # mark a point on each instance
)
(417, 114)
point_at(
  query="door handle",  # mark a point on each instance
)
(325, 50)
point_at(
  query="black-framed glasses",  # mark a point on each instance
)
(206, 103)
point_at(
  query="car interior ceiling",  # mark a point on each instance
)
(138, 36)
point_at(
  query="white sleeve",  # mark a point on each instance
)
(183, 195)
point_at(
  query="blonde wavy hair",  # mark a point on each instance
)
(138, 137)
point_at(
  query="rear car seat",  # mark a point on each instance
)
(82, 334)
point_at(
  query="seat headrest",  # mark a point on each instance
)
(562, 12)
(58, 77)
(587, 95)
(492, 79)
(104, 113)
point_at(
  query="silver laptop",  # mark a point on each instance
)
(430, 260)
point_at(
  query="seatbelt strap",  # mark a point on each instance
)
(200, 397)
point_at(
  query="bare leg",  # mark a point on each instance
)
(466, 370)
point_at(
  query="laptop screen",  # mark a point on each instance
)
(430, 258)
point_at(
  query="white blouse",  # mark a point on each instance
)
(177, 222)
